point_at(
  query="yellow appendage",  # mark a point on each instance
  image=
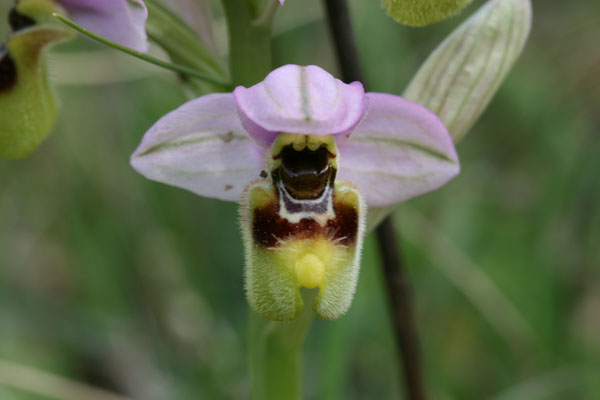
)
(311, 261)
(310, 271)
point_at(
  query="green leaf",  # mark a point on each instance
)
(423, 12)
(186, 48)
(463, 73)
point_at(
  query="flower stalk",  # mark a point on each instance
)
(275, 351)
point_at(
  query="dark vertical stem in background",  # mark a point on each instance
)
(338, 15)
(397, 284)
(399, 292)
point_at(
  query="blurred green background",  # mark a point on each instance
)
(121, 283)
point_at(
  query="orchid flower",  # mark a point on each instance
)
(123, 21)
(26, 92)
(304, 154)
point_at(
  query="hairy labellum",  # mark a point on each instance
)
(302, 228)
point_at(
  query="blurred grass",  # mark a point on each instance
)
(133, 286)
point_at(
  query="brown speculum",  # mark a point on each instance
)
(8, 70)
(305, 173)
(19, 21)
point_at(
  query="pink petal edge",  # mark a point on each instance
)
(398, 151)
(202, 147)
(118, 20)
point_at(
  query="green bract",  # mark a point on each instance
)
(423, 12)
(463, 73)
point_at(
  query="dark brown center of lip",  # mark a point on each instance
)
(19, 21)
(305, 173)
(8, 71)
(269, 229)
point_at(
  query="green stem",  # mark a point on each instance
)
(276, 354)
(249, 43)
(268, 13)
(145, 57)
